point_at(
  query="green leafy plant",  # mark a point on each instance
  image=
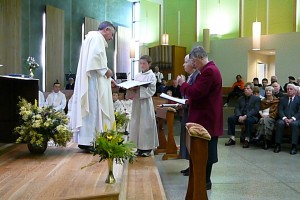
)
(39, 124)
(110, 144)
(122, 120)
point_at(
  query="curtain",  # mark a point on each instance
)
(10, 37)
(54, 46)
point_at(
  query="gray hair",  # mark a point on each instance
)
(106, 24)
(198, 52)
(269, 88)
(291, 85)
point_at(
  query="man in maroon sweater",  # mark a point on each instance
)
(205, 102)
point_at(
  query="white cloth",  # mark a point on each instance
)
(118, 106)
(41, 99)
(142, 126)
(92, 106)
(127, 103)
(57, 100)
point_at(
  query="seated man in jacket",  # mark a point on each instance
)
(289, 116)
(246, 112)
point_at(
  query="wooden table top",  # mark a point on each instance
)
(56, 174)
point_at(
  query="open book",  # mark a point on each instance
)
(165, 96)
(132, 83)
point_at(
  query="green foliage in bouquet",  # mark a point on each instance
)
(122, 120)
(39, 124)
(110, 144)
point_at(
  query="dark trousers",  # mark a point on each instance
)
(294, 127)
(233, 120)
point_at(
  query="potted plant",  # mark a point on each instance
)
(39, 125)
(111, 145)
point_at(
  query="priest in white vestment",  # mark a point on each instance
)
(142, 127)
(56, 98)
(92, 106)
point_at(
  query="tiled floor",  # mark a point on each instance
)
(240, 174)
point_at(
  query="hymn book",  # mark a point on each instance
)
(165, 96)
(133, 83)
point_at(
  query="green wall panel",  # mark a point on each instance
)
(117, 11)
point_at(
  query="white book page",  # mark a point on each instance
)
(165, 96)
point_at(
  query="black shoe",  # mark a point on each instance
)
(208, 186)
(293, 150)
(230, 142)
(277, 148)
(246, 144)
(185, 170)
(86, 148)
(186, 173)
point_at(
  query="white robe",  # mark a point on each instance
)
(57, 100)
(41, 99)
(118, 106)
(92, 106)
(142, 127)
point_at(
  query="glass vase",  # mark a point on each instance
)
(31, 73)
(110, 177)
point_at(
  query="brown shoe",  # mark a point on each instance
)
(246, 144)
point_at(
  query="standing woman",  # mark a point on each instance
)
(142, 125)
(268, 112)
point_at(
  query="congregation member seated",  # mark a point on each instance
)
(292, 81)
(71, 83)
(256, 92)
(237, 89)
(268, 113)
(56, 98)
(118, 106)
(289, 116)
(298, 81)
(264, 85)
(298, 90)
(245, 112)
(256, 82)
(274, 79)
(159, 76)
(163, 87)
(175, 88)
(277, 89)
